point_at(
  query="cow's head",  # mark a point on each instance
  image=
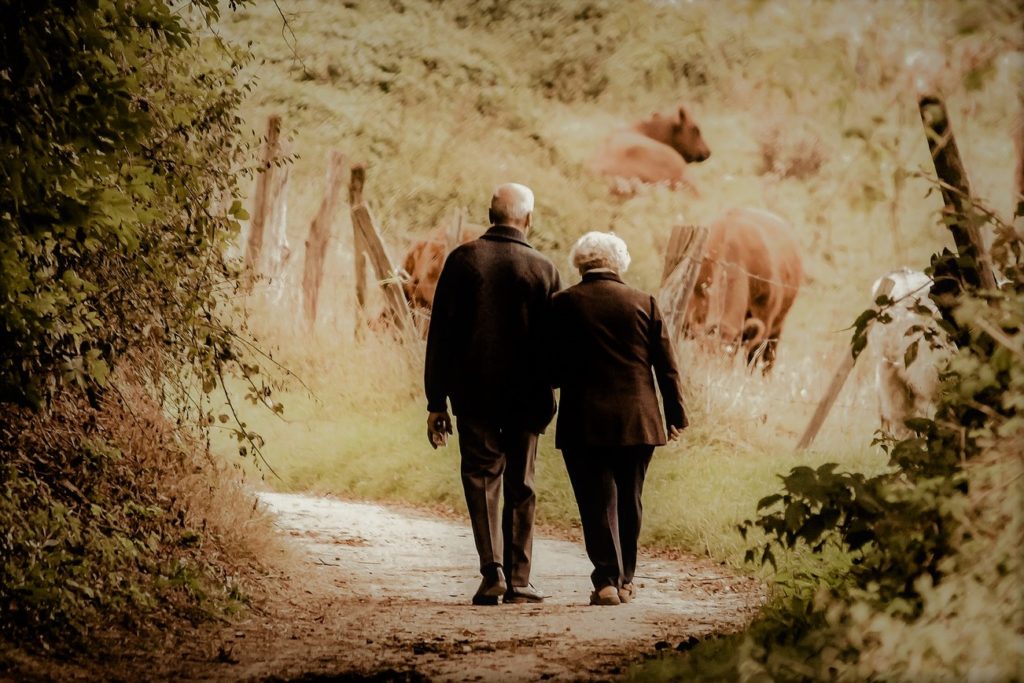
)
(685, 137)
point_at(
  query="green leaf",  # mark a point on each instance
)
(910, 355)
(99, 371)
(796, 513)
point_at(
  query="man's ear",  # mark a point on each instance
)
(490, 216)
(528, 223)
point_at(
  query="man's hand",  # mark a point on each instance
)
(674, 433)
(439, 426)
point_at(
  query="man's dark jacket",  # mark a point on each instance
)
(487, 340)
(607, 337)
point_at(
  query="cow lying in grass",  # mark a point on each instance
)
(654, 150)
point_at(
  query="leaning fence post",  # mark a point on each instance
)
(836, 385)
(682, 266)
(355, 196)
(453, 235)
(955, 187)
(369, 242)
(319, 237)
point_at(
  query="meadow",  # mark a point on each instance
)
(809, 110)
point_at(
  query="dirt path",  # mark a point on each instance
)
(385, 594)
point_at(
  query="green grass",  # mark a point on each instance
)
(445, 100)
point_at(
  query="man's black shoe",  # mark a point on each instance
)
(491, 588)
(517, 595)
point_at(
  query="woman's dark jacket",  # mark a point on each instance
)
(609, 344)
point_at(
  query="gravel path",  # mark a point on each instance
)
(384, 594)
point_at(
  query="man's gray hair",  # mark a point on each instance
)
(511, 202)
(600, 250)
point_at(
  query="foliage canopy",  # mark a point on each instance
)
(117, 164)
(120, 155)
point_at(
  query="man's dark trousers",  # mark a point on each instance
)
(608, 483)
(493, 457)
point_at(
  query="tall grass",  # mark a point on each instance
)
(809, 112)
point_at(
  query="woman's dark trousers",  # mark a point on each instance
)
(608, 484)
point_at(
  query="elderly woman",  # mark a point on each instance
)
(608, 337)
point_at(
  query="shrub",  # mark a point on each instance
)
(119, 158)
(928, 587)
(112, 517)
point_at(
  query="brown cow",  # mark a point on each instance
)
(655, 150)
(423, 262)
(748, 279)
(420, 271)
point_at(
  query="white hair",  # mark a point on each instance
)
(512, 202)
(600, 250)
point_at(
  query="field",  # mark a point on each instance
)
(809, 111)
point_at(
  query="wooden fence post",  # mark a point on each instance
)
(836, 385)
(1018, 146)
(955, 187)
(359, 257)
(320, 236)
(682, 265)
(453, 235)
(276, 250)
(262, 207)
(373, 246)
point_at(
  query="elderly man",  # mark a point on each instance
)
(485, 353)
(609, 344)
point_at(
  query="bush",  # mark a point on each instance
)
(929, 587)
(119, 156)
(119, 159)
(111, 517)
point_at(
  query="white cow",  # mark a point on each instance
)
(903, 391)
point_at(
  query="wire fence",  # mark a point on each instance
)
(740, 268)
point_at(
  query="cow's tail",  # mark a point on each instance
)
(754, 334)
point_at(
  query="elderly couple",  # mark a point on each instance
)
(501, 336)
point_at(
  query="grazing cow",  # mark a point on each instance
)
(904, 390)
(748, 279)
(420, 271)
(655, 150)
(422, 264)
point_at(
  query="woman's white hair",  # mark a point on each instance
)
(600, 250)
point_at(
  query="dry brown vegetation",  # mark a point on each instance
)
(125, 525)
